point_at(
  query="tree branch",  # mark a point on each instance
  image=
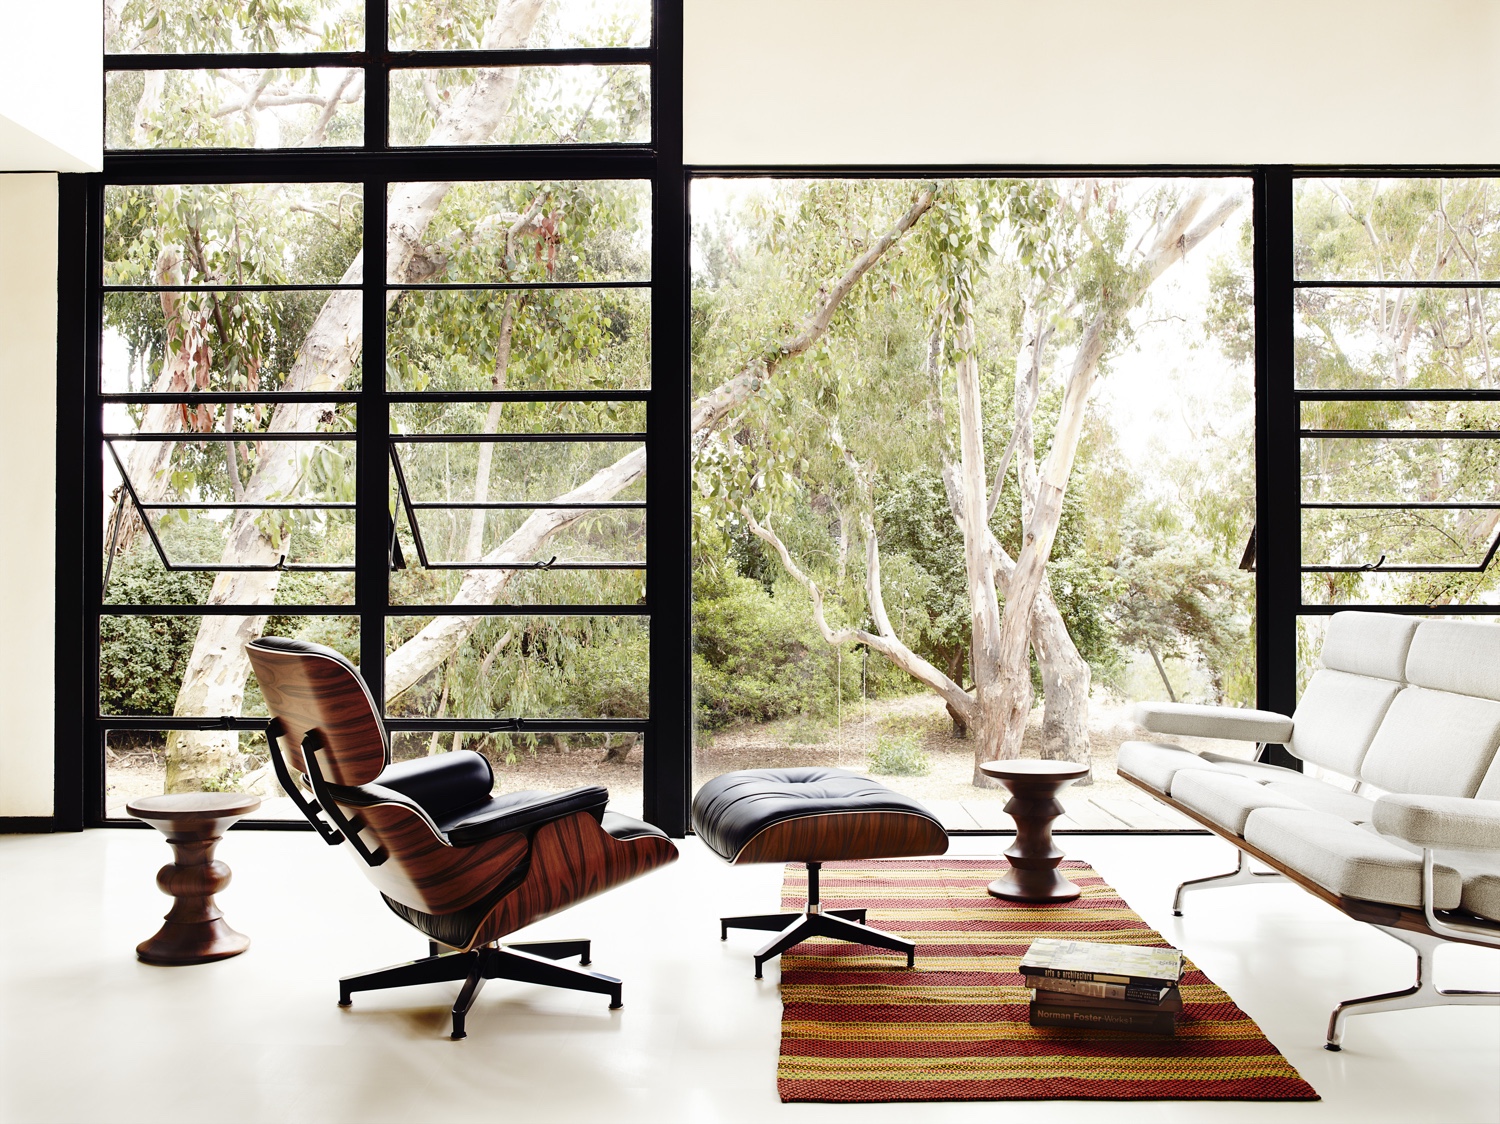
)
(885, 643)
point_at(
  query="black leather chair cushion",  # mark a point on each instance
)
(731, 810)
(443, 783)
(453, 791)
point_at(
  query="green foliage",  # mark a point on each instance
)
(900, 755)
(757, 655)
(142, 658)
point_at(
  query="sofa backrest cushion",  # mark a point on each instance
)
(1433, 743)
(1337, 718)
(1373, 644)
(1461, 656)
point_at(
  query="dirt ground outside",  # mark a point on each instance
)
(846, 743)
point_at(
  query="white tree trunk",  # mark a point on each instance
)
(214, 683)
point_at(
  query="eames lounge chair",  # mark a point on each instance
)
(458, 864)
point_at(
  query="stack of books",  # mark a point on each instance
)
(1104, 986)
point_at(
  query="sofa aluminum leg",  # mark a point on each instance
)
(1423, 993)
(1241, 875)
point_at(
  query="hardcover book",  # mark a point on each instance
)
(1132, 965)
(1096, 990)
(1171, 1001)
(1145, 1021)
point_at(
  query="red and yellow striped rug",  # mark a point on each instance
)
(856, 1026)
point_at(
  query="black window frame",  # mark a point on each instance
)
(668, 731)
(375, 164)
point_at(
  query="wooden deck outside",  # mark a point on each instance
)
(1101, 807)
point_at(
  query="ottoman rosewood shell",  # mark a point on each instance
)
(811, 815)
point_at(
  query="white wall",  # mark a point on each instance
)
(28, 499)
(51, 85)
(1092, 81)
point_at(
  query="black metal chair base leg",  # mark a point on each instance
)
(513, 964)
(431, 969)
(555, 950)
(776, 922)
(473, 985)
(771, 922)
(838, 927)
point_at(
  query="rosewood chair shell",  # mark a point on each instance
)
(460, 865)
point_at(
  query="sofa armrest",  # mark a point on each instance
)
(1227, 722)
(1457, 822)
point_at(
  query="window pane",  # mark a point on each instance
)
(230, 341)
(1397, 229)
(523, 471)
(510, 232)
(188, 483)
(543, 762)
(135, 765)
(444, 25)
(1397, 537)
(1410, 469)
(558, 339)
(170, 27)
(1399, 416)
(233, 234)
(552, 105)
(233, 108)
(146, 663)
(413, 585)
(847, 441)
(519, 667)
(591, 535)
(1379, 339)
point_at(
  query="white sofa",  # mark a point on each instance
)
(1408, 710)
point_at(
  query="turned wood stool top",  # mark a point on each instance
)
(193, 812)
(1030, 769)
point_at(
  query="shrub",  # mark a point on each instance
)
(900, 755)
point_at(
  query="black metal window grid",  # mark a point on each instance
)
(373, 165)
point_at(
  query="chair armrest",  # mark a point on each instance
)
(521, 811)
(1227, 722)
(1458, 822)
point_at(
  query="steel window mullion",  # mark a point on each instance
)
(1278, 488)
(521, 505)
(372, 531)
(354, 165)
(417, 397)
(511, 438)
(1402, 395)
(1398, 434)
(111, 609)
(504, 286)
(1302, 283)
(447, 609)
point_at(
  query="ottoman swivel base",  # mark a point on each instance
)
(794, 928)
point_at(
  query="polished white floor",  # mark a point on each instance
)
(89, 1034)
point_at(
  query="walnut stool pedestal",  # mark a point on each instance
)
(1033, 805)
(195, 931)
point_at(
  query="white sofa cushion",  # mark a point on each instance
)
(1226, 799)
(1321, 796)
(1481, 895)
(1371, 644)
(1337, 718)
(1156, 764)
(1460, 656)
(1433, 743)
(1227, 722)
(1348, 860)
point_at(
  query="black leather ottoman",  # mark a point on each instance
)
(812, 816)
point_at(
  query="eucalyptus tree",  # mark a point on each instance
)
(1074, 259)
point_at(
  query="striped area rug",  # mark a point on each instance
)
(857, 1027)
